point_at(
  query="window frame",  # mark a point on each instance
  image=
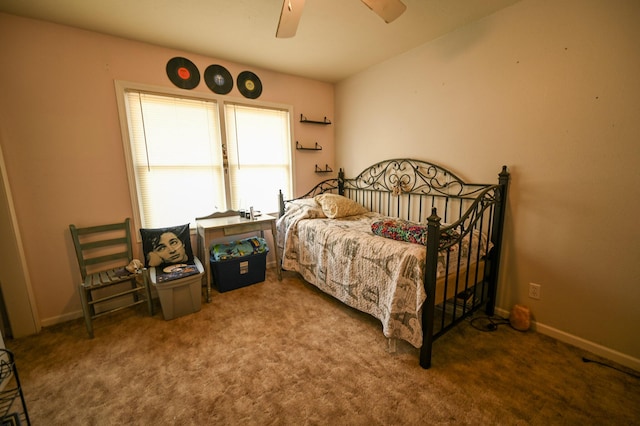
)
(122, 86)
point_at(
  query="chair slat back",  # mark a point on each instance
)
(102, 247)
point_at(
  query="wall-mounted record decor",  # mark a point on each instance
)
(183, 73)
(249, 85)
(218, 79)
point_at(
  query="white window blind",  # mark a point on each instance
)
(258, 142)
(176, 156)
(182, 168)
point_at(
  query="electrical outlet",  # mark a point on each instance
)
(534, 291)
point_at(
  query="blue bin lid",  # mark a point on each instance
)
(240, 248)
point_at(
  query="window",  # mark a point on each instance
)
(190, 157)
(259, 165)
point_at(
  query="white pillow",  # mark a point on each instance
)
(307, 205)
(335, 206)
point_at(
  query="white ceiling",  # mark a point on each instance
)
(335, 38)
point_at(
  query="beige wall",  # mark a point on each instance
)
(62, 145)
(551, 89)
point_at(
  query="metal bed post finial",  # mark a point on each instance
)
(280, 203)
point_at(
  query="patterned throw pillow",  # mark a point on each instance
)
(336, 206)
(403, 230)
(166, 246)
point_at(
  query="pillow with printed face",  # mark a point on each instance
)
(166, 246)
(336, 206)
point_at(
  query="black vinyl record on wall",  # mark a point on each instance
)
(183, 73)
(218, 79)
(249, 85)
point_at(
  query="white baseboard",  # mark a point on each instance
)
(47, 322)
(613, 355)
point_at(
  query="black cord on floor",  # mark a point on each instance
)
(488, 323)
(585, 359)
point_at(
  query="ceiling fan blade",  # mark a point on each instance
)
(289, 18)
(388, 10)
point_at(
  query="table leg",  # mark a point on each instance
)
(204, 258)
(207, 276)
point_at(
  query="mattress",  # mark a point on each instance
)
(376, 275)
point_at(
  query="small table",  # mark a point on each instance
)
(227, 223)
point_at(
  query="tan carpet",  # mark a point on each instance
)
(279, 353)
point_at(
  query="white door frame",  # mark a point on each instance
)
(14, 275)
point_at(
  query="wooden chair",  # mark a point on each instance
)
(103, 252)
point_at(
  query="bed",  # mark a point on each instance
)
(406, 241)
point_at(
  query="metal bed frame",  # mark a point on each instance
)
(423, 192)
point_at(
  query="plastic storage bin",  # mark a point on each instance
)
(182, 296)
(238, 264)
